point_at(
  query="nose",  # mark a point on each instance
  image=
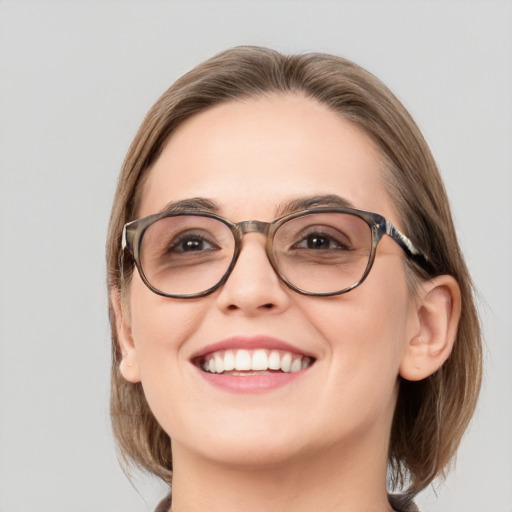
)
(253, 287)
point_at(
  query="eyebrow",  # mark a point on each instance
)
(305, 203)
(202, 204)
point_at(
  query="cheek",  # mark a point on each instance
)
(367, 329)
(160, 330)
(160, 326)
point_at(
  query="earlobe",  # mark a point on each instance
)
(128, 366)
(438, 313)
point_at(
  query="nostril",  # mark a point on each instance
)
(234, 307)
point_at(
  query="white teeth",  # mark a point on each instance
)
(219, 363)
(286, 363)
(274, 360)
(243, 360)
(296, 365)
(259, 360)
(229, 361)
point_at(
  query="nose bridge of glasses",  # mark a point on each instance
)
(256, 227)
(253, 226)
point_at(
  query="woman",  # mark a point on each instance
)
(292, 320)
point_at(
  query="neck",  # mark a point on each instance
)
(337, 479)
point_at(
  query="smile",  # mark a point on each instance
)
(244, 362)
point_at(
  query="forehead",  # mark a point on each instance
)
(251, 156)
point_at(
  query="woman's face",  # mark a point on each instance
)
(252, 158)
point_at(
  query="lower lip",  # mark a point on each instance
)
(251, 383)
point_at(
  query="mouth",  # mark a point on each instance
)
(247, 362)
(251, 364)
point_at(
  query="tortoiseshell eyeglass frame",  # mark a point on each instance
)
(133, 233)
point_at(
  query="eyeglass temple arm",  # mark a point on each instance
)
(123, 238)
(124, 248)
(409, 248)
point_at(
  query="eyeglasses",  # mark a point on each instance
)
(321, 251)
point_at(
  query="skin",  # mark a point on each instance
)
(328, 431)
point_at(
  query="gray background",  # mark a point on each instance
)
(75, 81)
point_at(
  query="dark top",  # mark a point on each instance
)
(397, 501)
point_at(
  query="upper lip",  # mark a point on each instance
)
(250, 343)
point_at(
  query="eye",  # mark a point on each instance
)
(320, 242)
(191, 242)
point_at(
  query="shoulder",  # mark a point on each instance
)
(402, 503)
(399, 502)
(164, 505)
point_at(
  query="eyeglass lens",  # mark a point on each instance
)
(318, 252)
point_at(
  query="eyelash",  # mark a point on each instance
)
(175, 242)
(331, 238)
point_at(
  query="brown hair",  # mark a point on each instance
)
(431, 415)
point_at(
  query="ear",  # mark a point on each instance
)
(438, 313)
(129, 366)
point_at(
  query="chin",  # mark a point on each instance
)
(259, 455)
(243, 445)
